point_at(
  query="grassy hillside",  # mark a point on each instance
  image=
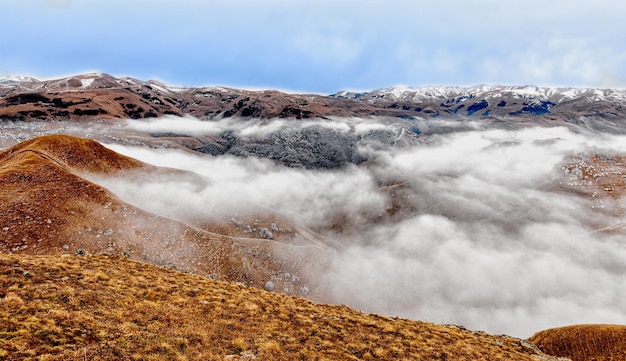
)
(584, 342)
(107, 308)
(48, 207)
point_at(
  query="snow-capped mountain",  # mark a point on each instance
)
(102, 95)
(502, 101)
(17, 79)
(434, 94)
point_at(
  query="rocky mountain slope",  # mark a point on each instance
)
(499, 101)
(105, 96)
(102, 95)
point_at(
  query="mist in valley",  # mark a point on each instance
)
(489, 227)
(482, 228)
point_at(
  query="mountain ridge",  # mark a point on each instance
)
(105, 96)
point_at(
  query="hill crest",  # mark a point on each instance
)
(104, 96)
(47, 207)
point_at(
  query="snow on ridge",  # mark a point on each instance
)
(528, 92)
(18, 79)
(86, 82)
(432, 94)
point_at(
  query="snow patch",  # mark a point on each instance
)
(86, 83)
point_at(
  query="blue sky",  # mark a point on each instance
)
(320, 46)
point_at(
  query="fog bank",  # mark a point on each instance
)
(487, 229)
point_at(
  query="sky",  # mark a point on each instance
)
(320, 46)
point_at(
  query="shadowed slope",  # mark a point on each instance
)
(101, 308)
(584, 342)
(47, 208)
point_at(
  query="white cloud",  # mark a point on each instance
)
(554, 61)
(489, 238)
(248, 128)
(493, 244)
(232, 185)
(579, 60)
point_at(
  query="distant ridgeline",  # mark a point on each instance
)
(106, 96)
(325, 135)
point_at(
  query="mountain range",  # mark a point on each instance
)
(283, 189)
(102, 95)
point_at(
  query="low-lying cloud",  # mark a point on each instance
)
(486, 232)
(245, 186)
(189, 125)
(495, 242)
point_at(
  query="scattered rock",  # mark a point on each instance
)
(246, 355)
(269, 286)
(529, 346)
(265, 233)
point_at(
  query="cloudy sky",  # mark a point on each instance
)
(320, 46)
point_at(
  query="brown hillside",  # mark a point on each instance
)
(103, 96)
(76, 153)
(103, 308)
(584, 342)
(68, 98)
(47, 208)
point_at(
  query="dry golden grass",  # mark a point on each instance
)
(584, 342)
(105, 308)
(72, 152)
